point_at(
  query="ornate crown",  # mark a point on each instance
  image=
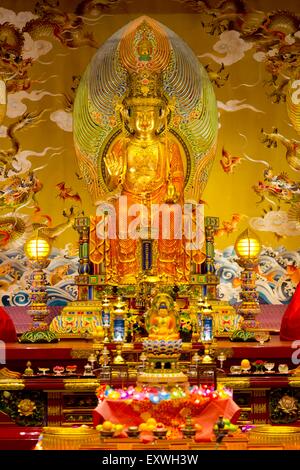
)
(144, 88)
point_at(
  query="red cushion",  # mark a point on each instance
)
(290, 323)
(7, 328)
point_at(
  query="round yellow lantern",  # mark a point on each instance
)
(247, 245)
(37, 247)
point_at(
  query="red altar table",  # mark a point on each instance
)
(19, 437)
(120, 411)
(63, 395)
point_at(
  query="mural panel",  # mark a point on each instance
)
(250, 50)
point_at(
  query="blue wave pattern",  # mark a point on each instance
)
(276, 280)
(277, 275)
(15, 271)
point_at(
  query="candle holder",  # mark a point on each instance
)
(106, 318)
(189, 429)
(143, 359)
(92, 359)
(221, 357)
(207, 323)
(119, 322)
(196, 359)
(200, 305)
(105, 357)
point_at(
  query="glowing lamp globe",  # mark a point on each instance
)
(247, 245)
(37, 248)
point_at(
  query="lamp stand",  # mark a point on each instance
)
(249, 307)
(39, 332)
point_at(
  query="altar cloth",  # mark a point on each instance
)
(290, 324)
(129, 414)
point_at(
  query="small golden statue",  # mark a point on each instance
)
(98, 335)
(28, 371)
(118, 359)
(162, 318)
(172, 195)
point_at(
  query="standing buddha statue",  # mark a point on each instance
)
(145, 128)
(145, 165)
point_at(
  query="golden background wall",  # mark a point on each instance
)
(251, 51)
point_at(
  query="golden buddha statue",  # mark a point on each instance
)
(163, 325)
(162, 319)
(139, 161)
(147, 168)
(145, 126)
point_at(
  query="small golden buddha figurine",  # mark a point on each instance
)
(172, 195)
(28, 371)
(118, 359)
(163, 325)
(162, 319)
(207, 359)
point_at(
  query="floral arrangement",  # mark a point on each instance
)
(187, 322)
(155, 395)
(186, 325)
(136, 324)
(23, 408)
(26, 407)
(259, 365)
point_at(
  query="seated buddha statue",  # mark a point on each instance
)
(163, 325)
(162, 319)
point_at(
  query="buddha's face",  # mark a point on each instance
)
(145, 120)
(163, 311)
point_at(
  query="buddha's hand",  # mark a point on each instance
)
(153, 329)
(114, 164)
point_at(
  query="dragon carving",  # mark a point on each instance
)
(7, 157)
(279, 187)
(292, 146)
(53, 232)
(218, 77)
(274, 34)
(67, 28)
(52, 22)
(14, 229)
